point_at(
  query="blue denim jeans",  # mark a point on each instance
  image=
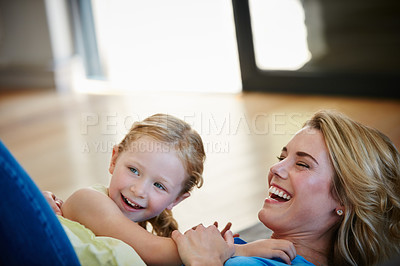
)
(30, 233)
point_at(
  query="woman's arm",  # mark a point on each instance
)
(268, 248)
(100, 214)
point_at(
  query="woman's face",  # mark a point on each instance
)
(300, 197)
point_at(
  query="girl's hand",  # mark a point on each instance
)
(55, 203)
(226, 228)
(204, 246)
(268, 248)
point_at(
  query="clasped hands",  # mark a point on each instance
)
(209, 246)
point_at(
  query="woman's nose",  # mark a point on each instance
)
(280, 170)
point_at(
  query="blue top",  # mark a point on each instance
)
(257, 261)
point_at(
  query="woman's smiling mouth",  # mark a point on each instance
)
(278, 194)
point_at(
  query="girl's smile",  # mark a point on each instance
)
(130, 205)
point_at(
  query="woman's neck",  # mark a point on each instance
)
(315, 251)
(315, 257)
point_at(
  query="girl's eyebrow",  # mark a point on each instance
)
(165, 182)
(302, 154)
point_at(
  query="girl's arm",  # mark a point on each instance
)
(100, 214)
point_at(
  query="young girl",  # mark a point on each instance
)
(154, 168)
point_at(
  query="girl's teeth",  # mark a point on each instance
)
(133, 204)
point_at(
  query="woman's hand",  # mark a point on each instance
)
(268, 248)
(55, 203)
(204, 246)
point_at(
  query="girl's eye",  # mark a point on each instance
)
(134, 170)
(160, 186)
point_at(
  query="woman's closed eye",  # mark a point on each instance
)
(134, 170)
(301, 164)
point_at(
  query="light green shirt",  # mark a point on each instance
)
(98, 250)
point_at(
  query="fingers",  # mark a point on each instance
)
(195, 227)
(228, 236)
(285, 250)
(227, 227)
(288, 248)
(55, 203)
(203, 245)
(176, 235)
(283, 256)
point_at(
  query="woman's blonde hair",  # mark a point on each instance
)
(367, 183)
(188, 144)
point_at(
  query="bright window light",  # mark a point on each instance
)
(279, 34)
(173, 45)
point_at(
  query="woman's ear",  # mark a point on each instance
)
(113, 159)
(178, 200)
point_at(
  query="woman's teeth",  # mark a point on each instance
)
(279, 193)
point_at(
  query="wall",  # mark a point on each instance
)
(35, 43)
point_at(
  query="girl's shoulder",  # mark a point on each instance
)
(100, 188)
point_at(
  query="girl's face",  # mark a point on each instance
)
(146, 179)
(299, 199)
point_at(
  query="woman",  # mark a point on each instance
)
(335, 194)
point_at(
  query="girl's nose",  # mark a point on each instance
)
(139, 189)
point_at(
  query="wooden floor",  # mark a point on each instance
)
(64, 141)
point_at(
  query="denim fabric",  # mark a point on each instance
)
(30, 233)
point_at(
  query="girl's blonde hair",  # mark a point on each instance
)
(178, 135)
(367, 183)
